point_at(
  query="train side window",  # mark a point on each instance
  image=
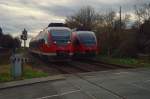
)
(49, 42)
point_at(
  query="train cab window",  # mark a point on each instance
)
(61, 36)
(87, 38)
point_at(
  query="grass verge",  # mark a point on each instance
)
(29, 72)
(33, 73)
(132, 62)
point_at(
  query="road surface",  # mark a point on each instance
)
(112, 84)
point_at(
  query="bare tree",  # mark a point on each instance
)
(123, 24)
(143, 37)
(142, 13)
(112, 37)
(109, 19)
(85, 17)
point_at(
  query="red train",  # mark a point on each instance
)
(84, 43)
(53, 42)
(59, 42)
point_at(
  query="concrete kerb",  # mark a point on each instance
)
(30, 81)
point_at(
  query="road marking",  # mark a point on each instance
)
(100, 86)
(121, 73)
(147, 81)
(47, 97)
(87, 93)
(139, 86)
(62, 94)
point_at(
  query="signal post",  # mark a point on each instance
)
(24, 36)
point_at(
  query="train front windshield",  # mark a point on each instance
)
(60, 36)
(87, 38)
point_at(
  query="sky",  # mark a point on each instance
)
(34, 15)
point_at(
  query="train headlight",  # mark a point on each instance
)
(54, 42)
(68, 42)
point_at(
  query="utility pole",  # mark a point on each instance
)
(120, 13)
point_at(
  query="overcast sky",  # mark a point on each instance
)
(34, 15)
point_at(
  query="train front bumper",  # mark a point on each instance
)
(85, 54)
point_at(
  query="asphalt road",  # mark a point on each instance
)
(112, 84)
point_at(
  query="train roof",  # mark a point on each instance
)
(58, 28)
(84, 32)
(56, 25)
(78, 33)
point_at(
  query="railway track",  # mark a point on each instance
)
(91, 67)
(76, 66)
(83, 66)
(102, 64)
(67, 68)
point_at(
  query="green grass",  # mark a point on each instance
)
(32, 73)
(5, 77)
(5, 74)
(28, 73)
(125, 61)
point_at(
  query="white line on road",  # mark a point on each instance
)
(65, 93)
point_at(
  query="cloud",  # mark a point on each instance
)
(15, 17)
(34, 15)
